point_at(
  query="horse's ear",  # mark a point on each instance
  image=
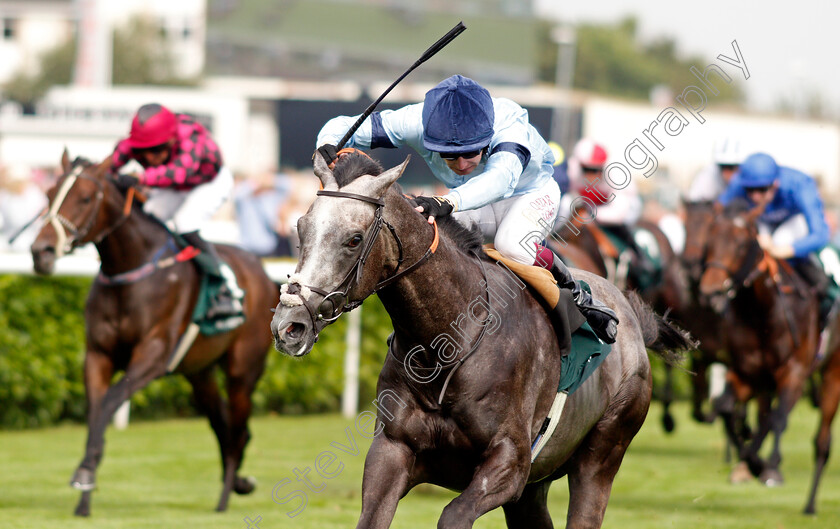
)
(323, 172)
(718, 208)
(381, 183)
(65, 161)
(102, 168)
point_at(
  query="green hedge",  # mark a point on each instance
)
(42, 352)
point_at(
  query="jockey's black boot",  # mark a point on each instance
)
(224, 303)
(601, 318)
(813, 273)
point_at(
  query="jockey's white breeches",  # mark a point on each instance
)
(189, 210)
(517, 223)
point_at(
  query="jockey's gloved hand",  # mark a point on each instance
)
(434, 206)
(329, 152)
(126, 180)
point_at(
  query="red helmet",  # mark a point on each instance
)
(153, 124)
(590, 155)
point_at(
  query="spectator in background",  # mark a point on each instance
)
(300, 197)
(258, 201)
(20, 201)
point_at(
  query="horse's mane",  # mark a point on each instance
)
(81, 160)
(352, 166)
(737, 207)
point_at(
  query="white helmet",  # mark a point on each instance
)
(728, 152)
(590, 154)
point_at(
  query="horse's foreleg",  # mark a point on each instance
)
(386, 479)
(98, 372)
(498, 479)
(791, 387)
(829, 400)
(700, 388)
(729, 407)
(149, 366)
(667, 398)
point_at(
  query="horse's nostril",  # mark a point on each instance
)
(294, 331)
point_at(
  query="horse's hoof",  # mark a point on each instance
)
(82, 511)
(83, 480)
(772, 478)
(668, 423)
(740, 474)
(244, 485)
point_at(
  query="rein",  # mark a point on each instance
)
(157, 263)
(454, 365)
(336, 302)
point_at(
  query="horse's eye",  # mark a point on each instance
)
(354, 241)
(87, 200)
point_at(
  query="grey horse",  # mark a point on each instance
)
(473, 364)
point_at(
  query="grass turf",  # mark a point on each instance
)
(167, 474)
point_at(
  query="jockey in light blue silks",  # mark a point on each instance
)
(793, 225)
(498, 169)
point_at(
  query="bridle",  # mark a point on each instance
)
(336, 301)
(67, 242)
(746, 274)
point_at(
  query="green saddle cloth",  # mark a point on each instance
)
(829, 258)
(206, 295)
(587, 353)
(646, 241)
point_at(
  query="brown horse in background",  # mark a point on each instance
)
(829, 399)
(698, 318)
(670, 294)
(135, 325)
(770, 330)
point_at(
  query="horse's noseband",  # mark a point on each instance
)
(746, 273)
(62, 224)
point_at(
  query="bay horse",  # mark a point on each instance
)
(829, 399)
(465, 417)
(670, 294)
(698, 318)
(770, 330)
(134, 325)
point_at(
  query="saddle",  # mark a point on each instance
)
(582, 351)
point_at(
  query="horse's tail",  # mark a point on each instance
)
(661, 336)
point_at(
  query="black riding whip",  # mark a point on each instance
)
(433, 49)
(26, 226)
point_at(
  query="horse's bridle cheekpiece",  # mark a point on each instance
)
(335, 302)
(62, 225)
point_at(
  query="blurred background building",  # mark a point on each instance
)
(264, 75)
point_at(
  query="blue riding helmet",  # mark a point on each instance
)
(758, 170)
(457, 116)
